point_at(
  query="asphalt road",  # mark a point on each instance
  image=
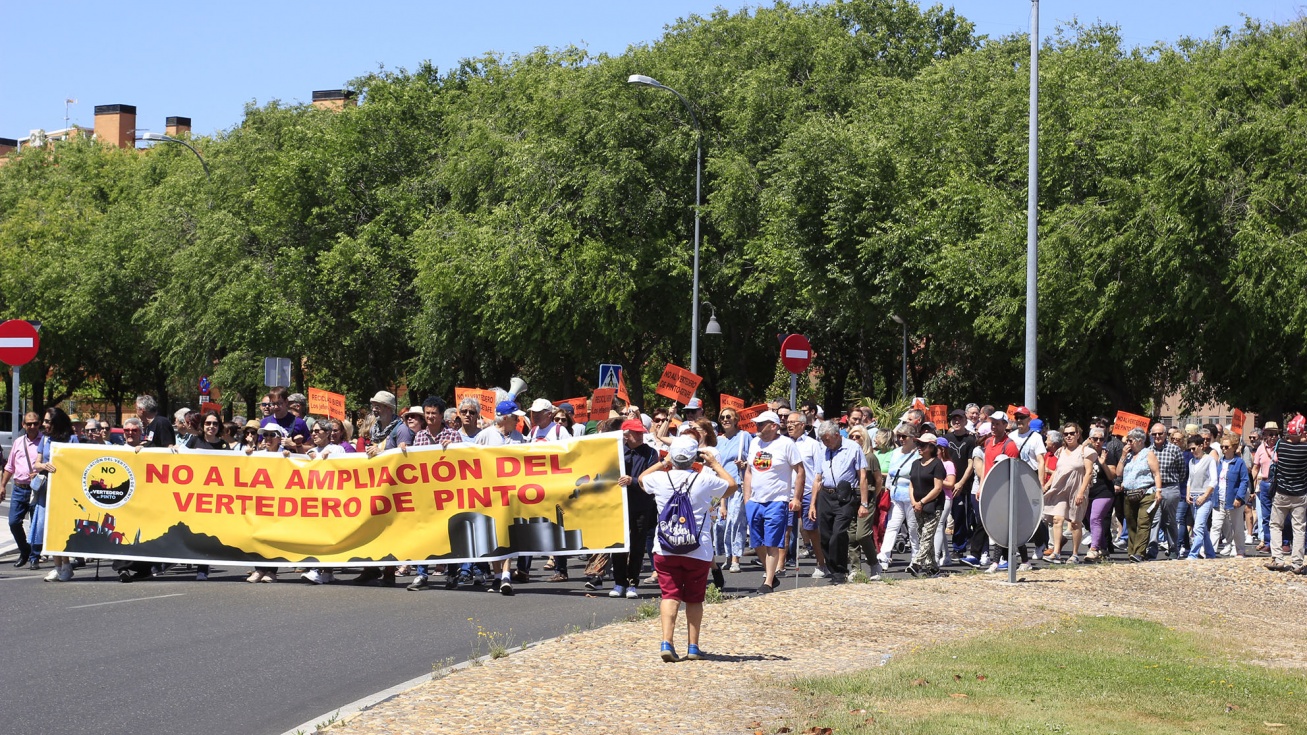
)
(174, 655)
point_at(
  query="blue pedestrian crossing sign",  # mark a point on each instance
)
(610, 376)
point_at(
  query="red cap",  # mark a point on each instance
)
(1296, 426)
(1021, 411)
(632, 425)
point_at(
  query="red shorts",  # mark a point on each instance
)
(681, 577)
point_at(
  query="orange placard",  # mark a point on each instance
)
(729, 401)
(485, 398)
(937, 414)
(1237, 421)
(919, 404)
(601, 403)
(208, 406)
(1127, 421)
(747, 415)
(1012, 413)
(580, 412)
(621, 387)
(326, 403)
(678, 384)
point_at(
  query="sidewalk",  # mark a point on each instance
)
(610, 680)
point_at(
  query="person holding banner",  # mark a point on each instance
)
(387, 430)
(24, 455)
(641, 509)
(683, 575)
(773, 487)
(469, 416)
(57, 427)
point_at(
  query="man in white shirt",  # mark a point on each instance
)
(1030, 443)
(773, 472)
(810, 450)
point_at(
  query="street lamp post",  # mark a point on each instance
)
(1032, 219)
(902, 321)
(161, 138)
(645, 81)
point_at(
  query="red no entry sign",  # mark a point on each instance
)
(18, 342)
(796, 353)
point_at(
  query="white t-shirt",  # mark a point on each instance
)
(552, 432)
(326, 451)
(491, 437)
(706, 487)
(772, 466)
(1030, 450)
(811, 451)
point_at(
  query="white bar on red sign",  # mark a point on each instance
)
(798, 354)
(15, 342)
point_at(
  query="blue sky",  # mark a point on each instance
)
(206, 62)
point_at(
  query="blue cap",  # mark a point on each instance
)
(505, 408)
(1037, 425)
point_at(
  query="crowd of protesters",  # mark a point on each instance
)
(846, 491)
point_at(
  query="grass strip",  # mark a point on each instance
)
(1092, 675)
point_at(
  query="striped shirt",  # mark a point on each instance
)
(1291, 469)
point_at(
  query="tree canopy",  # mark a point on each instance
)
(533, 215)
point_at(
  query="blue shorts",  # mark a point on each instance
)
(804, 523)
(767, 522)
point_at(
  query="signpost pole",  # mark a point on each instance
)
(1011, 519)
(16, 419)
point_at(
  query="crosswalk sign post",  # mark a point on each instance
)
(610, 376)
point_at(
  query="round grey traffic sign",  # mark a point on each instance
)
(1011, 478)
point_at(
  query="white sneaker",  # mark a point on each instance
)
(992, 569)
(255, 576)
(65, 572)
(632, 593)
(269, 577)
(1025, 567)
(984, 558)
(735, 568)
(313, 576)
(819, 573)
(53, 576)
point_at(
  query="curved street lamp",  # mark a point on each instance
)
(645, 81)
(161, 138)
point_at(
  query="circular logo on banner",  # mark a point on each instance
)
(108, 482)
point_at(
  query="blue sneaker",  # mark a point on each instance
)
(970, 561)
(693, 653)
(617, 591)
(669, 653)
(1002, 566)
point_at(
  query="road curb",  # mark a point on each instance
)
(363, 704)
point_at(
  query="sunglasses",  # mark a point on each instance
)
(468, 412)
(316, 430)
(212, 423)
(1157, 435)
(265, 404)
(1070, 433)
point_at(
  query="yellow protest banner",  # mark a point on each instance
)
(427, 504)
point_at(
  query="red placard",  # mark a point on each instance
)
(796, 353)
(601, 403)
(1237, 421)
(326, 403)
(580, 406)
(1012, 413)
(1127, 421)
(208, 406)
(747, 415)
(678, 384)
(621, 387)
(729, 401)
(937, 414)
(485, 398)
(19, 342)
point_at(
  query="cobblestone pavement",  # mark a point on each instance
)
(610, 680)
